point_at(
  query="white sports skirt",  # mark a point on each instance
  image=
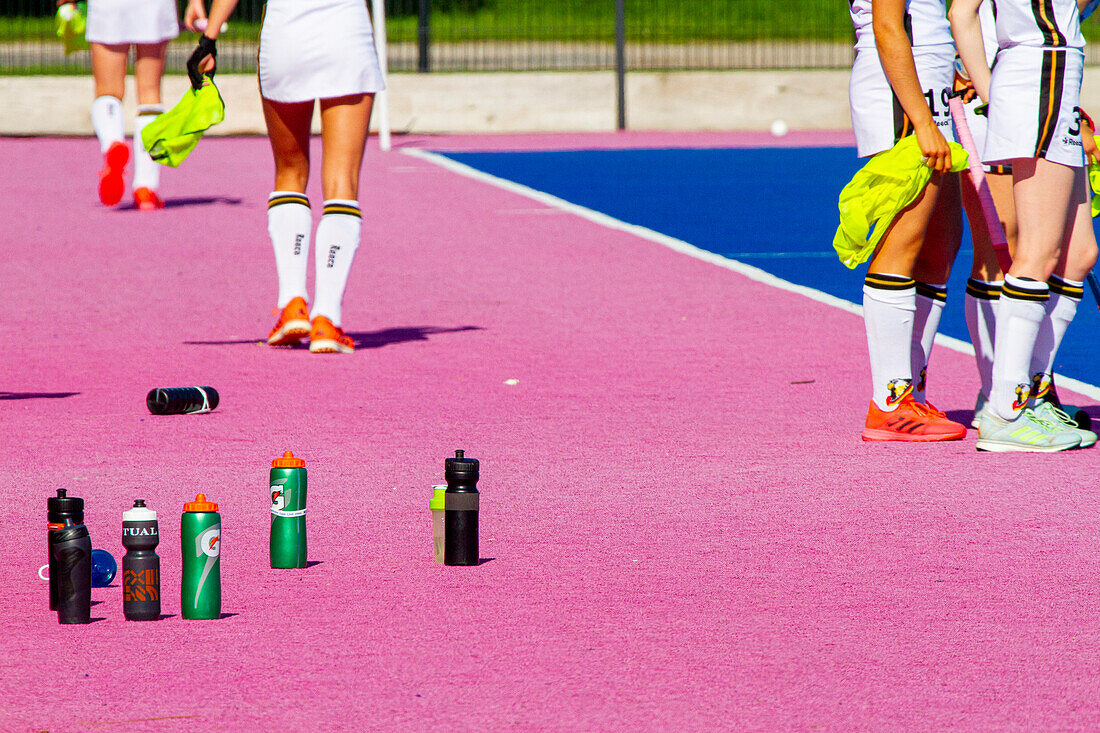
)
(1033, 106)
(132, 21)
(878, 120)
(317, 49)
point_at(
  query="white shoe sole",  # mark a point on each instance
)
(328, 346)
(291, 333)
(996, 446)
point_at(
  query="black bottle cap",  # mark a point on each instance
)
(64, 504)
(461, 468)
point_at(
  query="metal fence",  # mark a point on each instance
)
(515, 35)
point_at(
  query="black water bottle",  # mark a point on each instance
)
(181, 400)
(140, 564)
(71, 560)
(57, 509)
(460, 507)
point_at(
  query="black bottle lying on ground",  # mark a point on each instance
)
(57, 509)
(460, 508)
(71, 565)
(181, 400)
(140, 564)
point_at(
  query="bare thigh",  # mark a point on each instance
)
(1043, 192)
(345, 122)
(288, 126)
(897, 252)
(109, 68)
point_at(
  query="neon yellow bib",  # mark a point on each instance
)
(878, 192)
(172, 136)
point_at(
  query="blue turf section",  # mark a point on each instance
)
(774, 208)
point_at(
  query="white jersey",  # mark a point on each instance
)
(989, 31)
(925, 22)
(1046, 23)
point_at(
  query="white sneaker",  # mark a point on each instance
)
(980, 404)
(1048, 411)
(1029, 432)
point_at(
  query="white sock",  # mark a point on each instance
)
(289, 222)
(337, 239)
(1065, 295)
(930, 300)
(981, 308)
(889, 302)
(1020, 311)
(146, 172)
(107, 121)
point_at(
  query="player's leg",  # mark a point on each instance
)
(983, 289)
(289, 221)
(148, 71)
(933, 267)
(109, 72)
(1078, 256)
(344, 126)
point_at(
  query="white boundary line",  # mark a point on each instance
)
(753, 273)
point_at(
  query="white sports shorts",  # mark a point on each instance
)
(317, 49)
(1033, 106)
(878, 120)
(132, 21)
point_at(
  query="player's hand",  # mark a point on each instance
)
(1088, 138)
(195, 11)
(933, 147)
(963, 86)
(203, 60)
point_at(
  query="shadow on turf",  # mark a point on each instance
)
(363, 339)
(35, 395)
(188, 201)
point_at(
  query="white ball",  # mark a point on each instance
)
(779, 128)
(67, 11)
(200, 26)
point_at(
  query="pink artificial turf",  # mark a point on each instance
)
(684, 533)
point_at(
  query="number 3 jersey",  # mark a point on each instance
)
(925, 22)
(1046, 23)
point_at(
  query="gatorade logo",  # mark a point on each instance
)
(208, 544)
(278, 500)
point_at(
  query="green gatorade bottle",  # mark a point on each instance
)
(202, 583)
(288, 512)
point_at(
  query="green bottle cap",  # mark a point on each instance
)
(437, 497)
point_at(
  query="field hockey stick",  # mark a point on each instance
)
(981, 186)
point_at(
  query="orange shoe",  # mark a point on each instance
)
(293, 324)
(111, 184)
(910, 421)
(146, 199)
(325, 338)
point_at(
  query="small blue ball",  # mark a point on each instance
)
(104, 568)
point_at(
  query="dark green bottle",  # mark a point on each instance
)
(288, 512)
(201, 532)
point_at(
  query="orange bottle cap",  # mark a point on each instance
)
(200, 504)
(288, 461)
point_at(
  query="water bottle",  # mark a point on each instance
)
(57, 509)
(140, 564)
(288, 512)
(200, 532)
(437, 504)
(181, 400)
(71, 569)
(460, 507)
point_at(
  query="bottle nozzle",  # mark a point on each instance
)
(62, 493)
(139, 502)
(460, 454)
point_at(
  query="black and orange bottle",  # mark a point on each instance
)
(140, 564)
(71, 567)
